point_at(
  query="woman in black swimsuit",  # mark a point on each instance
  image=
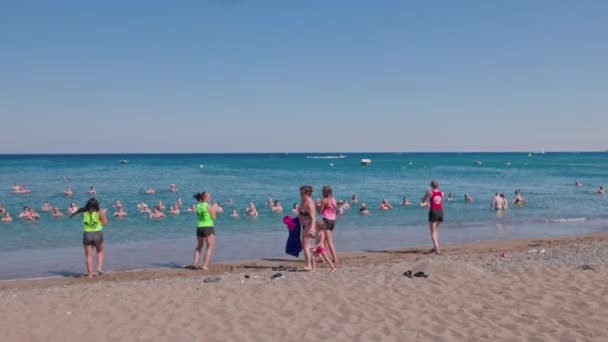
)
(307, 215)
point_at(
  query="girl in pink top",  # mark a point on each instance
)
(328, 213)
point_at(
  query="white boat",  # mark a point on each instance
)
(366, 161)
(123, 161)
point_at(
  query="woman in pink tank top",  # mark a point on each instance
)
(328, 213)
(435, 198)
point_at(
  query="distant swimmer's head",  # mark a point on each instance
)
(277, 203)
(202, 196)
(306, 190)
(435, 184)
(517, 192)
(327, 191)
(502, 195)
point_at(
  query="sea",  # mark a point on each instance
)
(52, 247)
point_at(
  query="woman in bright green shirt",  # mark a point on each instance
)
(93, 220)
(205, 229)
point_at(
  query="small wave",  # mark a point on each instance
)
(565, 220)
(326, 157)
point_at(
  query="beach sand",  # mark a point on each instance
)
(471, 294)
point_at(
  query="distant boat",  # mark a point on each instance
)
(529, 154)
(508, 163)
(123, 161)
(366, 161)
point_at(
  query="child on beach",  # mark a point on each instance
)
(93, 220)
(328, 213)
(319, 249)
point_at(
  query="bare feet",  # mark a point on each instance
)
(205, 268)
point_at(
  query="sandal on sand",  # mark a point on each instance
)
(421, 275)
(408, 274)
(277, 276)
(212, 279)
(585, 267)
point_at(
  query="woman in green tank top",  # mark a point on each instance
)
(205, 230)
(93, 221)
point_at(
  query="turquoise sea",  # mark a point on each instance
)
(52, 247)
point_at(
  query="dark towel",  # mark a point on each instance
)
(294, 243)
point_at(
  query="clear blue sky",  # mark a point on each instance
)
(227, 76)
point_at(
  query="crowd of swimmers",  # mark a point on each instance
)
(317, 235)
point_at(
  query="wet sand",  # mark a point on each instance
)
(472, 293)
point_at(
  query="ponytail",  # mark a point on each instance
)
(199, 196)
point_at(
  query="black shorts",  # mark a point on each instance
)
(436, 215)
(92, 239)
(205, 231)
(329, 224)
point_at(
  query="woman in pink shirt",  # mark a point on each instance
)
(328, 213)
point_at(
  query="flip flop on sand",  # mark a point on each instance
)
(408, 274)
(212, 279)
(277, 276)
(585, 267)
(421, 275)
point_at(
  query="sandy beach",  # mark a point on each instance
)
(538, 290)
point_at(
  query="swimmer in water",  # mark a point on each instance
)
(450, 197)
(156, 214)
(25, 214)
(269, 202)
(354, 199)
(519, 199)
(174, 210)
(251, 210)
(120, 212)
(234, 213)
(363, 209)
(46, 206)
(145, 209)
(73, 208)
(179, 201)
(68, 191)
(172, 188)
(16, 188)
(150, 190)
(2, 209)
(229, 202)
(468, 198)
(499, 202)
(218, 208)
(601, 190)
(192, 209)
(578, 183)
(276, 207)
(92, 191)
(346, 205)
(406, 201)
(294, 208)
(56, 213)
(385, 205)
(340, 208)
(33, 214)
(6, 218)
(161, 206)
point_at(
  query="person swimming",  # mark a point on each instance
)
(174, 210)
(519, 199)
(578, 183)
(354, 199)
(156, 214)
(56, 213)
(92, 191)
(25, 214)
(120, 212)
(363, 209)
(161, 206)
(276, 207)
(179, 201)
(251, 210)
(468, 198)
(6, 217)
(33, 214)
(234, 213)
(218, 208)
(72, 208)
(46, 206)
(150, 190)
(229, 202)
(144, 209)
(2, 209)
(294, 208)
(340, 208)
(406, 201)
(385, 205)
(192, 209)
(601, 190)
(172, 188)
(67, 191)
(269, 202)
(450, 197)
(499, 202)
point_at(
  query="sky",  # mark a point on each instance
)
(303, 76)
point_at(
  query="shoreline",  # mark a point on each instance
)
(347, 259)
